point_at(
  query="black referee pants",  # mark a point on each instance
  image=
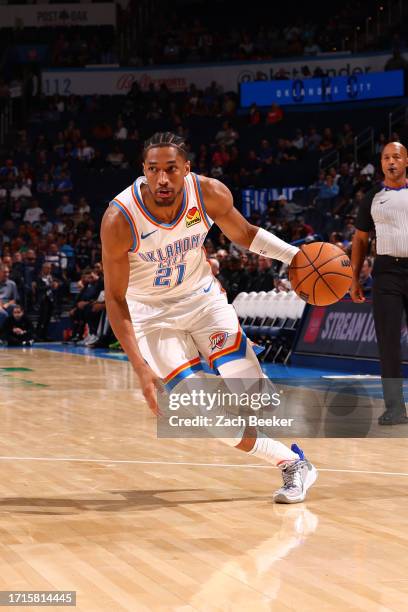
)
(390, 299)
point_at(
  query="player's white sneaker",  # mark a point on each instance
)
(298, 476)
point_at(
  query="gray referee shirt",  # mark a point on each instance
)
(385, 209)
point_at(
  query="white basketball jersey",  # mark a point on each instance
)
(167, 260)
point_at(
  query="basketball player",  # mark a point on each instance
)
(164, 304)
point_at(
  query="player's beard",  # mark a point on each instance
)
(169, 202)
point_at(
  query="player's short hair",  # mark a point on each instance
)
(165, 139)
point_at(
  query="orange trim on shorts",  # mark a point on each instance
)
(184, 366)
(228, 350)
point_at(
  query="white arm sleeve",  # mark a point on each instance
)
(269, 245)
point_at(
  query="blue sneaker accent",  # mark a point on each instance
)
(143, 236)
(298, 451)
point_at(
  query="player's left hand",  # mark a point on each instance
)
(151, 385)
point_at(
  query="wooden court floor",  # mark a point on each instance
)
(92, 501)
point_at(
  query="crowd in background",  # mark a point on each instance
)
(49, 242)
(202, 32)
(200, 35)
(71, 154)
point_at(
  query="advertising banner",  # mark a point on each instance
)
(324, 90)
(344, 329)
(52, 15)
(117, 81)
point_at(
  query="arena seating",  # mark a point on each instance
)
(270, 319)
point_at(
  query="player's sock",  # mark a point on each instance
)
(267, 449)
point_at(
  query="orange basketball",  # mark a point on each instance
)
(320, 273)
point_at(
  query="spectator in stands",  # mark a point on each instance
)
(90, 289)
(72, 133)
(33, 213)
(45, 186)
(8, 168)
(326, 143)
(362, 182)
(64, 184)
(349, 228)
(345, 181)
(233, 276)
(313, 139)
(366, 280)
(121, 132)
(20, 191)
(17, 270)
(345, 138)
(274, 115)
(57, 260)
(8, 293)
(30, 270)
(299, 141)
(27, 175)
(47, 291)
(265, 154)
(286, 152)
(329, 190)
(266, 274)
(301, 229)
(249, 278)
(288, 210)
(66, 207)
(95, 318)
(17, 211)
(380, 144)
(85, 152)
(44, 225)
(17, 328)
(227, 136)
(252, 168)
(83, 206)
(254, 115)
(368, 169)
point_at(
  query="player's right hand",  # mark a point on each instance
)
(151, 385)
(356, 292)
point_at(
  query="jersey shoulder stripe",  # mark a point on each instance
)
(128, 216)
(200, 200)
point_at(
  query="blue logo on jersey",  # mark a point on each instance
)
(143, 236)
(208, 288)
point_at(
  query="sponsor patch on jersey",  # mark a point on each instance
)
(193, 216)
(218, 340)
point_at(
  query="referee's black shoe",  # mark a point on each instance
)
(389, 417)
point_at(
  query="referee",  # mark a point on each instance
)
(385, 209)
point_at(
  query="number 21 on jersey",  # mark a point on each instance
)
(167, 276)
